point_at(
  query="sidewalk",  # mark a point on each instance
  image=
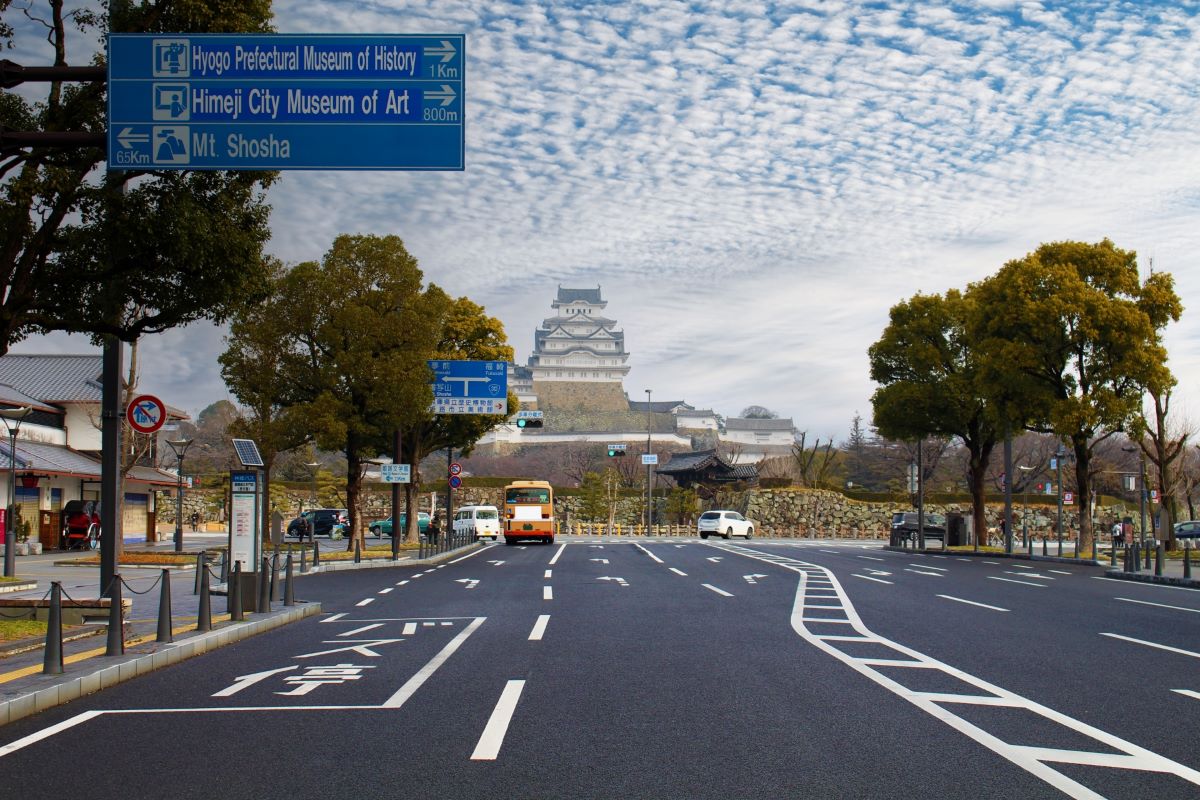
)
(25, 690)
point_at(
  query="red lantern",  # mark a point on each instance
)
(29, 481)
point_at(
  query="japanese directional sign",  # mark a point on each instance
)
(469, 387)
(286, 101)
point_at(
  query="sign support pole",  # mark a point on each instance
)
(396, 459)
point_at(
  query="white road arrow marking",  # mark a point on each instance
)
(753, 579)
(497, 563)
(620, 581)
(243, 681)
(601, 560)
(470, 582)
(716, 559)
(363, 648)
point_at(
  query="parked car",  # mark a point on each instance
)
(904, 526)
(478, 522)
(383, 527)
(1188, 530)
(329, 522)
(724, 524)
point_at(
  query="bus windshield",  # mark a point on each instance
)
(528, 495)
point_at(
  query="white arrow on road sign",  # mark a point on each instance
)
(446, 51)
(127, 137)
(753, 579)
(243, 681)
(620, 581)
(470, 582)
(446, 95)
(601, 560)
(716, 559)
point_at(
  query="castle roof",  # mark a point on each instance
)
(565, 296)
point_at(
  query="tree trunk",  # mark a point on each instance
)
(410, 506)
(1084, 490)
(977, 476)
(354, 499)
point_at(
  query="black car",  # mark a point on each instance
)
(325, 521)
(904, 526)
(1187, 530)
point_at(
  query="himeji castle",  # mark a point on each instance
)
(579, 343)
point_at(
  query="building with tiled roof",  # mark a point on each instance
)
(578, 343)
(57, 449)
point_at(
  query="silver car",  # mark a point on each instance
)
(724, 524)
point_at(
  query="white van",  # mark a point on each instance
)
(478, 522)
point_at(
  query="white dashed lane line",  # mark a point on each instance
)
(1159, 605)
(1155, 645)
(1010, 580)
(366, 602)
(971, 602)
(547, 593)
(539, 628)
(677, 571)
(712, 588)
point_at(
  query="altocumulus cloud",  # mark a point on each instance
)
(754, 184)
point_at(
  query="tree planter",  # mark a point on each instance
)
(35, 548)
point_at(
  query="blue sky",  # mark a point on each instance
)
(754, 185)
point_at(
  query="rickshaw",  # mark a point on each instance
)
(81, 525)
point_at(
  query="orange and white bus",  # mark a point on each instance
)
(528, 512)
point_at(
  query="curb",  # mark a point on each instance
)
(1013, 556)
(1140, 577)
(6, 587)
(105, 671)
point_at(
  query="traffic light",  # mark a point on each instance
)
(529, 419)
(615, 450)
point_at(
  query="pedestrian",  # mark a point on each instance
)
(195, 520)
(1118, 534)
(435, 527)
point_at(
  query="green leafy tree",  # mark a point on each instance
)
(255, 366)
(682, 505)
(1070, 338)
(363, 329)
(132, 252)
(928, 370)
(466, 333)
(593, 499)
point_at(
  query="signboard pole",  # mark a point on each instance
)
(448, 527)
(396, 533)
(245, 491)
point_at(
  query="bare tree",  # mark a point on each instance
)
(814, 464)
(1163, 441)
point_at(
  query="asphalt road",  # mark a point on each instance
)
(664, 669)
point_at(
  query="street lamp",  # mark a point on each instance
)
(12, 421)
(649, 486)
(179, 448)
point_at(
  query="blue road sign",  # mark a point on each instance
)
(470, 387)
(286, 101)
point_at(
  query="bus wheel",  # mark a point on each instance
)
(509, 540)
(550, 540)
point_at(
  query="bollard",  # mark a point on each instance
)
(316, 553)
(1158, 560)
(289, 597)
(224, 574)
(1112, 562)
(303, 558)
(1045, 552)
(204, 614)
(263, 605)
(357, 551)
(1147, 554)
(275, 576)
(52, 661)
(1187, 559)
(233, 593)
(201, 557)
(116, 625)
(164, 609)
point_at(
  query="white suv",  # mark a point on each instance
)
(724, 523)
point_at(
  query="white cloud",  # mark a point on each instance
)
(755, 184)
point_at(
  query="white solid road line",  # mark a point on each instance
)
(1187, 693)
(871, 558)
(472, 554)
(869, 578)
(493, 735)
(1155, 645)
(366, 602)
(362, 629)
(927, 566)
(554, 560)
(1146, 585)
(539, 628)
(1010, 580)
(721, 592)
(647, 552)
(677, 571)
(1060, 572)
(547, 593)
(1159, 605)
(972, 602)
(48, 732)
(416, 681)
